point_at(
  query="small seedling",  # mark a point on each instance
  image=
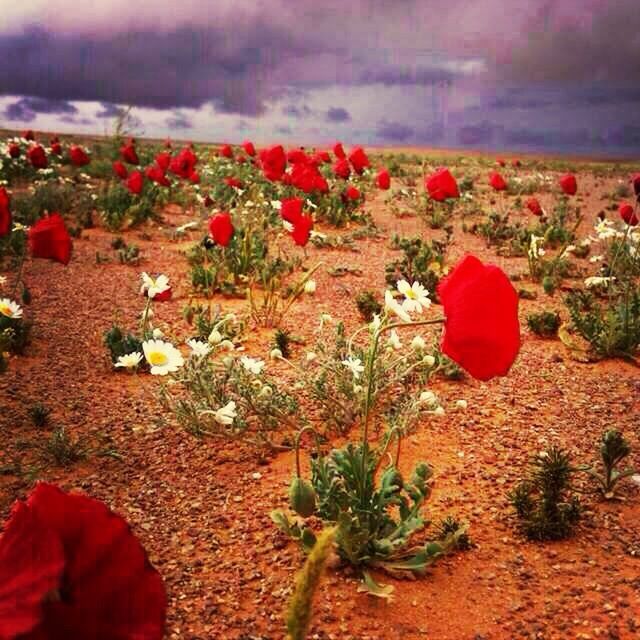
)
(39, 414)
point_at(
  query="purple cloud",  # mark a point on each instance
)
(337, 115)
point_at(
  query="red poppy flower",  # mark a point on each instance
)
(37, 157)
(516, 163)
(323, 157)
(442, 185)
(167, 143)
(226, 151)
(56, 148)
(241, 159)
(28, 135)
(635, 181)
(534, 206)
(184, 163)
(78, 156)
(291, 209)
(194, 177)
(297, 156)
(78, 572)
(120, 170)
(233, 182)
(129, 153)
(338, 151)
(221, 228)
(302, 230)
(501, 163)
(208, 202)
(351, 193)
(342, 169)
(482, 332)
(358, 159)
(163, 160)
(5, 212)
(135, 182)
(569, 184)
(164, 296)
(626, 211)
(497, 181)
(248, 147)
(383, 180)
(14, 150)
(49, 238)
(157, 175)
(305, 176)
(273, 162)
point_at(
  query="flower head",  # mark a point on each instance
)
(416, 297)
(354, 365)
(157, 289)
(129, 360)
(252, 365)
(199, 348)
(10, 309)
(226, 415)
(162, 356)
(394, 307)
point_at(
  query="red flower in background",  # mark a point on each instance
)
(163, 160)
(305, 176)
(338, 151)
(322, 157)
(291, 209)
(129, 153)
(49, 238)
(628, 214)
(241, 159)
(482, 331)
(5, 212)
(233, 182)
(184, 163)
(248, 147)
(135, 182)
(167, 144)
(383, 180)
(297, 155)
(342, 169)
(56, 148)
(221, 228)
(497, 181)
(78, 156)
(569, 184)
(351, 193)
(359, 160)
(157, 175)
(635, 181)
(120, 170)
(534, 206)
(516, 163)
(302, 230)
(28, 135)
(71, 568)
(37, 157)
(501, 163)
(226, 151)
(14, 150)
(273, 161)
(442, 185)
(194, 177)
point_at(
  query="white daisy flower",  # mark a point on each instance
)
(10, 309)
(391, 305)
(354, 365)
(226, 415)
(129, 360)
(199, 348)
(163, 357)
(252, 365)
(416, 297)
(152, 287)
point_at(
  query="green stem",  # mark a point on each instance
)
(297, 445)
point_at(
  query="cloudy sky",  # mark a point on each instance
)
(554, 75)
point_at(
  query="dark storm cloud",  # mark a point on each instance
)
(394, 131)
(476, 134)
(75, 120)
(27, 109)
(337, 115)
(293, 111)
(394, 77)
(109, 111)
(179, 121)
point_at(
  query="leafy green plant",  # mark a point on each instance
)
(544, 324)
(63, 450)
(368, 305)
(120, 343)
(282, 342)
(544, 502)
(39, 414)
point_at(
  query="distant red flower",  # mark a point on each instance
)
(516, 163)
(273, 161)
(351, 193)
(49, 238)
(208, 202)
(306, 177)
(635, 181)
(157, 175)
(78, 156)
(56, 148)
(233, 182)
(14, 150)
(5, 212)
(184, 163)
(241, 159)
(627, 213)
(248, 147)
(226, 151)
(338, 151)
(569, 184)
(37, 157)
(291, 209)
(221, 228)
(442, 185)
(71, 568)
(534, 206)
(302, 230)
(482, 331)
(135, 182)
(497, 181)
(383, 180)
(358, 159)
(297, 156)
(120, 170)
(323, 157)
(194, 177)
(163, 160)
(129, 153)
(501, 163)
(28, 135)
(167, 144)
(342, 169)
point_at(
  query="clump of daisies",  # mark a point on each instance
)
(14, 330)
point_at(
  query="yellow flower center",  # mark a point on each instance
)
(411, 294)
(5, 310)
(157, 358)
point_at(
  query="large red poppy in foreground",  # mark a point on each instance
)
(70, 568)
(441, 185)
(482, 331)
(49, 238)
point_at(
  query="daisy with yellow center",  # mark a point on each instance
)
(129, 360)
(162, 356)
(10, 309)
(416, 297)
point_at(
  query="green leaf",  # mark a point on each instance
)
(370, 586)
